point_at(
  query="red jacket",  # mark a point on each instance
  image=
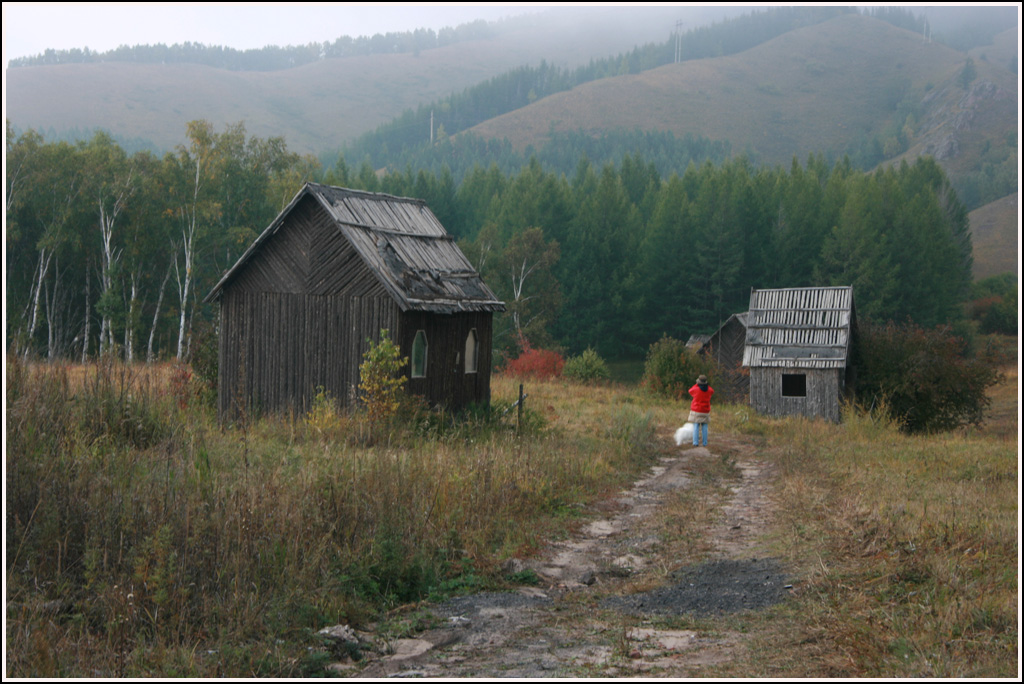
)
(701, 399)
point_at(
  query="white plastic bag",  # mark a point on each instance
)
(684, 434)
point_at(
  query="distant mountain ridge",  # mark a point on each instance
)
(813, 90)
(325, 103)
(267, 58)
(851, 85)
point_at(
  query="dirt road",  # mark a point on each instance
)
(607, 595)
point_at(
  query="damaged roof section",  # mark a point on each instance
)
(805, 327)
(403, 244)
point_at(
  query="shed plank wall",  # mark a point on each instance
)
(824, 390)
(278, 348)
(446, 381)
(278, 344)
(283, 264)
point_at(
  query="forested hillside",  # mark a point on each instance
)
(270, 57)
(649, 201)
(806, 92)
(110, 251)
(520, 87)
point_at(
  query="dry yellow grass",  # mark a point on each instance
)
(903, 548)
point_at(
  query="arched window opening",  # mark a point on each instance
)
(472, 351)
(419, 355)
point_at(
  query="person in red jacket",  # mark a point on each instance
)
(700, 409)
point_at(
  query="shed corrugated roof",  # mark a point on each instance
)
(402, 243)
(806, 327)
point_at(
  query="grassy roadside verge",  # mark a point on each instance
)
(906, 550)
(143, 540)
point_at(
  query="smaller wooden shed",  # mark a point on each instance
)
(726, 347)
(337, 266)
(798, 347)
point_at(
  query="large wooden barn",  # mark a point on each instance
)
(798, 348)
(333, 269)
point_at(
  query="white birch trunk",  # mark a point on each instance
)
(42, 269)
(184, 285)
(156, 315)
(52, 333)
(110, 256)
(188, 234)
(129, 326)
(518, 282)
(85, 332)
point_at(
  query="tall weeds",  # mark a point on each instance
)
(136, 526)
(909, 545)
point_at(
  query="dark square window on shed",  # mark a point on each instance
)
(419, 355)
(794, 385)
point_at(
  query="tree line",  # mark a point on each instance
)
(519, 87)
(270, 57)
(108, 252)
(560, 152)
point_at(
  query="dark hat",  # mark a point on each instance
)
(702, 380)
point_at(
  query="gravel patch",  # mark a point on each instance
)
(724, 586)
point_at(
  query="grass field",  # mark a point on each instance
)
(143, 539)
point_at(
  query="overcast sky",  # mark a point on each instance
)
(31, 28)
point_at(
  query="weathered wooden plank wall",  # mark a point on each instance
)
(824, 390)
(726, 348)
(447, 382)
(278, 348)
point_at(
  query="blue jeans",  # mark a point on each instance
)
(697, 427)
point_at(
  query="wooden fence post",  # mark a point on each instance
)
(519, 421)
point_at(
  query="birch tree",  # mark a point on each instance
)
(533, 294)
(194, 208)
(47, 187)
(112, 182)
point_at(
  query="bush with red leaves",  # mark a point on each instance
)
(541, 364)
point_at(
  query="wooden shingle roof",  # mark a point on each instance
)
(807, 327)
(402, 243)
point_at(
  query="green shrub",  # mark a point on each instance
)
(923, 377)
(994, 304)
(671, 369)
(380, 379)
(587, 367)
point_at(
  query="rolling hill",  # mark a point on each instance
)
(324, 104)
(820, 89)
(853, 83)
(844, 84)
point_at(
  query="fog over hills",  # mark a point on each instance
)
(817, 89)
(326, 103)
(851, 84)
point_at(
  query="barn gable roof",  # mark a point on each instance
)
(401, 242)
(739, 319)
(807, 327)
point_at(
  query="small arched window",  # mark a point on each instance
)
(472, 349)
(419, 355)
